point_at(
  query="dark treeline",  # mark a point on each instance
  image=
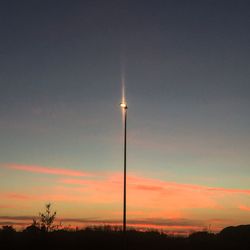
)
(43, 234)
(112, 238)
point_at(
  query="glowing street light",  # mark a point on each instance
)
(124, 105)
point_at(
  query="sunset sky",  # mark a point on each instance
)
(187, 71)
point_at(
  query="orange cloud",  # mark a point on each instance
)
(162, 197)
(146, 197)
(16, 196)
(244, 208)
(153, 197)
(47, 170)
(229, 190)
(53, 196)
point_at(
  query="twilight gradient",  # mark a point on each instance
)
(185, 65)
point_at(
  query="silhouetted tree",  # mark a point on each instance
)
(47, 218)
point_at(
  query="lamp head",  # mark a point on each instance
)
(123, 105)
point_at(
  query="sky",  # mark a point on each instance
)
(185, 65)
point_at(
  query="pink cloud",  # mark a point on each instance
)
(148, 188)
(47, 170)
(146, 197)
(229, 190)
(244, 208)
(162, 197)
(168, 197)
(17, 196)
(53, 196)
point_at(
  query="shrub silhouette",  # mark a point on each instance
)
(8, 229)
(47, 219)
(33, 228)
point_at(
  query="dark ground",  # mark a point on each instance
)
(229, 238)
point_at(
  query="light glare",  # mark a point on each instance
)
(123, 105)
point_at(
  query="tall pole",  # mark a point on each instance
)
(125, 170)
(125, 110)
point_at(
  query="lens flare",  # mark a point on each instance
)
(123, 85)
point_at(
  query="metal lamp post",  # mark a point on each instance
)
(125, 109)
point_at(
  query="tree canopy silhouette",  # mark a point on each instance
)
(47, 218)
